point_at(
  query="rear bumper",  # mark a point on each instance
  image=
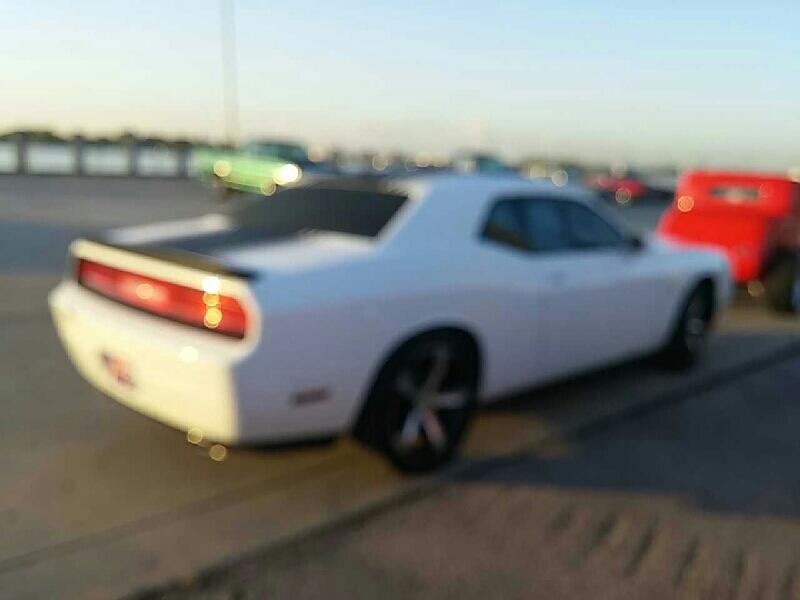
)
(176, 375)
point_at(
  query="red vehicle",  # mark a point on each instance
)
(621, 189)
(753, 218)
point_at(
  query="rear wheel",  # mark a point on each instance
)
(782, 286)
(690, 336)
(421, 403)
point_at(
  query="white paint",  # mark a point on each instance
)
(189, 354)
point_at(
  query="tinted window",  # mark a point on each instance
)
(357, 212)
(504, 224)
(549, 225)
(544, 225)
(587, 229)
(735, 193)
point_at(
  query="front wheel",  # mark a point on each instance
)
(421, 403)
(782, 286)
(690, 336)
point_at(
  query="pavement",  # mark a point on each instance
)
(699, 498)
(86, 482)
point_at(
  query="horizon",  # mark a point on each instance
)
(661, 86)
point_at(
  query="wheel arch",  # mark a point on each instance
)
(708, 283)
(702, 280)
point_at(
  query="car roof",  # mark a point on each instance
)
(734, 176)
(441, 185)
(444, 209)
(447, 210)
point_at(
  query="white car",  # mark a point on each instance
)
(383, 307)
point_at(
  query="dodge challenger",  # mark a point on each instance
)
(387, 308)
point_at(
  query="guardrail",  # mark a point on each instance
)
(132, 158)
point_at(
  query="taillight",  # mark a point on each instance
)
(207, 308)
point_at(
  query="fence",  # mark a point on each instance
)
(25, 156)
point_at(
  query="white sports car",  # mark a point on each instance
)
(381, 307)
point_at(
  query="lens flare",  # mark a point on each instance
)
(685, 203)
(211, 285)
(268, 188)
(194, 436)
(222, 168)
(212, 318)
(287, 174)
(218, 452)
(144, 291)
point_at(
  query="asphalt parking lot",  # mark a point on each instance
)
(696, 500)
(86, 482)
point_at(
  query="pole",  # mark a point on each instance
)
(230, 96)
(22, 153)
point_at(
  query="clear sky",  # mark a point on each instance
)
(659, 81)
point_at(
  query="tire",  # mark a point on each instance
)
(782, 286)
(689, 337)
(422, 401)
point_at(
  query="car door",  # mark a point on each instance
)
(595, 302)
(514, 335)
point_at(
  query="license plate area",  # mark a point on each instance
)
(118, 369)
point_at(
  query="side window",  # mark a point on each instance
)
(587, 229)
(544, 225)
(504, 225)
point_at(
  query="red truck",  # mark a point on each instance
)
(754, 218)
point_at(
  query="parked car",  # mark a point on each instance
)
(261, 167)
(754, 218)
(385, 307)
(622, 189)
(478, 162)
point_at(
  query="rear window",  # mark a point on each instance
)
(357, 212)
(734, 193)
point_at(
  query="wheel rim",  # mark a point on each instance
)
(435, 398)
(696, 323)
(623, 197)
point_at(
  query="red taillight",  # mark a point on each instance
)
(214, 312)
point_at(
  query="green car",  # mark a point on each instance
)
(258, 167)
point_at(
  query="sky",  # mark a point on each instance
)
(643, 82)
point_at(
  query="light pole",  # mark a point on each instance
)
(230, 92)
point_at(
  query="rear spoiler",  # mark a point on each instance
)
(183, 258)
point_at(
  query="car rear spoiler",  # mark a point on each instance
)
(183, 258)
